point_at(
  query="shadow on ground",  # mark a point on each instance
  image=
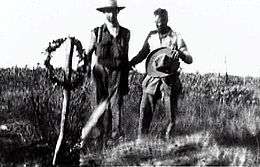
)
(199, 149)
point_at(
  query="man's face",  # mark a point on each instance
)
(111, 16)
(161, 22)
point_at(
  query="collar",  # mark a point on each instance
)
(169, 31)
(110, 30)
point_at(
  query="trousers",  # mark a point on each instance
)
(169, 96)
(109, 123)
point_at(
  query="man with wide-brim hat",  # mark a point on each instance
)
(162, 49)
(110, 5)
(110, 43)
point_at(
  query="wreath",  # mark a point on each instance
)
(78, 74)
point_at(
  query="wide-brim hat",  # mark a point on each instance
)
(159, 63)
(110, 5)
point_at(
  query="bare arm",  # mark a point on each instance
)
(87, 56)
(142, 54)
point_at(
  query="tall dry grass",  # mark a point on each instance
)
(226, 109)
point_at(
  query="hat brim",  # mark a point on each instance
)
(153, 71)
(109, 9)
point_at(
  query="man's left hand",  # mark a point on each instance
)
(175, 54)
(178, 54)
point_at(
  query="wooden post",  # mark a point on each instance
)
(66, 98)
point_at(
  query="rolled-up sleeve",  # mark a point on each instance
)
(185, 55)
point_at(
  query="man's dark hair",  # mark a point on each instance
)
(161, 12)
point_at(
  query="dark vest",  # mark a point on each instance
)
(112, 53)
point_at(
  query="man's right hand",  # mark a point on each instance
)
(175, 54)
(130, 68)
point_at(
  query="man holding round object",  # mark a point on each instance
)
(162, 49)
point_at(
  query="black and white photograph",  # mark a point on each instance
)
(87, 83)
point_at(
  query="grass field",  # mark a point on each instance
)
(218, 122)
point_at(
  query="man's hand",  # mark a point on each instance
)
(85, 70)
(175, 54)
(131, 66)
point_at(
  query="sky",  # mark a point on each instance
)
(221, 35)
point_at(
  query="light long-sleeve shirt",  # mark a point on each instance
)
(154, 41)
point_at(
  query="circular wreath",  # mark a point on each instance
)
(79, 73)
